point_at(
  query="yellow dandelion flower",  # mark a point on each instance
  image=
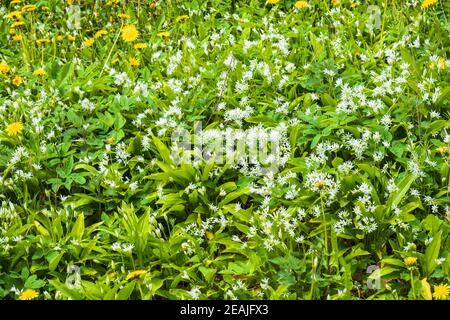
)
(112, 2)
(153, 5)
(28, 8)
(17, 38)
(15, 1)
(440, 63)
(134, 62)
(335, 2)
(28, 294)
(12, 31)
(140, 45)
(4, 67)
(17, 24)
(123, 16)
(410, 261)
(135, 274)
(14, 15)
(164, 34)
(182, 18)
(70, 2)
(114, 61)
(59, 38)
(272, 1)
(101, 33)
(442, 150)
(43, 40)
(428, 3)
(353, 5)
(209, 235)
(71, 37)
(441, 291)
(14, 128)
(129, 33)
(17, 80)
(301, 4)
(39, 72)
(89, 42)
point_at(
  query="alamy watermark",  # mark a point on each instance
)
(374, 279)
(374, 21)
(256, 150)
(73, 280)
(73, 17)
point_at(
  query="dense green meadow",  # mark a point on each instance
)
(99, 199)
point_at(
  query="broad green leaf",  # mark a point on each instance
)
(71, 293)
(425, 289)
(233, 195)
(126, 291)
(432, 252)
(163, 151)
(78, 227)
(403, 187)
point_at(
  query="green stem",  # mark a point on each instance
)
(110, 51)
(412, 285)
(313, 278)
(324, 225)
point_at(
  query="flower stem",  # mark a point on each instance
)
(313, 278)
(412, 285)
(324, 225)
(110, 51)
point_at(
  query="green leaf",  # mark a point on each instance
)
(111, 294)
(432, 252)
(276, 295)
(33, 283)
(119, 121)
(394, 262)
(315, 140)
(403, 187)
(445, 93)
(425, 289)
(53, 259)
(327, 100)
(233, 195)
(163, 151)
(406, 55)
(356, 252)
(41, 229)
(81, 199)
(68, 165)
(286, 278)
(238, 268)
(78, 227)
(262, 119)
(208, 273)
(436, 126)
(64, 74)
(397, 148)
(78, 178)
(317, 46)
(71, 293)
(382, 272)
(126, 292)
(106, 118)
(73, 117)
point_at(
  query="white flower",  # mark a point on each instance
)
(440, 260)
(195, 293)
